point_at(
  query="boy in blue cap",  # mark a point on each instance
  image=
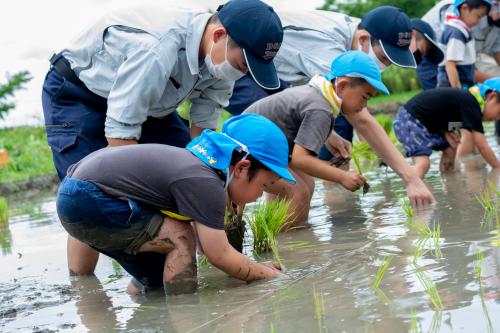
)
(457, 69)
(112, 199)
(441, 119)
(306, 115)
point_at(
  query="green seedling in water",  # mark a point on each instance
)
(414, 322)
(271, 328)
(267, 220)
(319, 309)
(407, 208)
(357, 164)
(203, 261)
(494, 189)
(426, 234)
(479, 267)
(489, 206)
(4, 211)
(381, 271)
(429, 287)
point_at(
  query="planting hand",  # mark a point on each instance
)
(277, 267)
(352, 180)
(418, 193)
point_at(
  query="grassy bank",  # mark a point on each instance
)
(393, 98)
(29, 154)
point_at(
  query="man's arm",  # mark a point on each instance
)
(485, 150)
(223, 256)
(120, 142)
(368, 127)
(497, 58)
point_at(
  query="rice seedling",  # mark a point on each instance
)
(266, 221)
(295, 245)
(414, 322)
(271, 328)
(494, 189)
(426, 234)
(479, 267)
(429, 287)
(357, 164)
(319, 309)
(203, 261)
(4, 211)
(381, 271)
(489, 325)
(407, 208)
(489, 207)
(437, 319)
(235, 228)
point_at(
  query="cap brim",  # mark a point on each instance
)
(280, 171)
(264, 74)
(399, 57)
(379, 85)
(436, 55)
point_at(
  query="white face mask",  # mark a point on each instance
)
(223, 71)
(381, 66)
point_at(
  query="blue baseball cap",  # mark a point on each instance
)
(357, 64)
(251, 133)
(257, 29)
(458, 3)
(435, 55)
(489, 85)
(392, 28)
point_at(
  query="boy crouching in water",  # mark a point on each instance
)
(111, 201)
(440, 119)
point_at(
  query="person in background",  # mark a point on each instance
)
(139, 204)
(306, 115)
(457, 69)
(448, 120)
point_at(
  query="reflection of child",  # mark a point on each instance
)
(111, 201)
(457, 69)
(306, 115)
(434, 120)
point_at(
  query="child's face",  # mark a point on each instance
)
(472, 17)
(354, 98)
(491, 107)
(243, 190)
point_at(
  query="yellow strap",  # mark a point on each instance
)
(176, 216)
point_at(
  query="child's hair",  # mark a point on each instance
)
(255, 165)
(491, 91)
(474, 4)
(353, 81)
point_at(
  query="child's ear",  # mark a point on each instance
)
(342, 83)
(240, 167)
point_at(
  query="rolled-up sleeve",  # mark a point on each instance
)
(140, 83)
(206, 108)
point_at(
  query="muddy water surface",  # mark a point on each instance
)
(332, 266)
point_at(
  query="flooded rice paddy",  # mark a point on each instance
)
(448, 282)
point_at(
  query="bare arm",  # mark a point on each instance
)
(303, 160)
(497, 58)
(481, 76)
(368, 127)
(223, 256)
(485, 150)
(120, 142)
(451, 70)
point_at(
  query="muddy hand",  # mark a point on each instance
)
(352, 181)
(277, 267)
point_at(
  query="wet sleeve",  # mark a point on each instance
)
(202, 199)
(314, 130)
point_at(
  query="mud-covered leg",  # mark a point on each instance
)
(176, 239)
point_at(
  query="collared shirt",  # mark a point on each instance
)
(145, 62)
(312, 39)
(487, 37)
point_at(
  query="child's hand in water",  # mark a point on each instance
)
(352, 181)
(277, 267)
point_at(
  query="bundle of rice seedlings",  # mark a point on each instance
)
(235, 229)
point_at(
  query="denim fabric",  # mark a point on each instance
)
(416, 139)
(112, 226)
(74, 121)
(342, 128)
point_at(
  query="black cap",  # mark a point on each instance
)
(435, 55)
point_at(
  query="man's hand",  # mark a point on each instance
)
(277, 267)
(338, 146)
(418, 193)
(352, 181)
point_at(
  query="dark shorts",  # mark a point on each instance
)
(342, 128)
(74, 120)
(415, 137)
(112, 226)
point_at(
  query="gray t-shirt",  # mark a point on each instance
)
(158, 176)
(302, 113)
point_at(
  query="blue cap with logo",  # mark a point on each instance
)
(256, 28)
(357, 64)
(458, 3)
(251, 133)
(392, 28)
(435, 55)
(489, 85)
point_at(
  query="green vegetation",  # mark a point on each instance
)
(183, 111)
(414, 322)
(29, 153)
(429, 287)
(381, 271)
(7, 90)
(4, 211)
(490, 207)
(358, 8)
(319, 309)
(400, 97)
(479, 267)
(426, 234)
(266, 221)
(407, 208)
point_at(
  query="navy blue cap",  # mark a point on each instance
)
(392, 28)
(257, 29)
(435, 54)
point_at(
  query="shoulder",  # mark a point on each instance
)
(451, 32)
